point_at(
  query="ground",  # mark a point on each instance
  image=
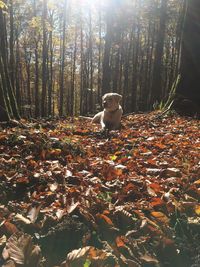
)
(72, 196)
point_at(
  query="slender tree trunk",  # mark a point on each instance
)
(28, 80)
(82, 89)
(63, 60)
(135, 60)
(99, 59)
(5, 106)
(73, 81)
(44, 60)
(50, 86)
(107, 53)
(36, 67)
(11, 43)
(17, 74)
(156, 89)
(91, 104)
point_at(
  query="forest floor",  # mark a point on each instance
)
(71, 196)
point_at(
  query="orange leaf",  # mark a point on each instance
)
(22, 180)
(105, 218)
(32, 163)
(160, 217)
(119, 242)
(55, 152)
(197, 182)
(129, 187)
(156, 187)
(160, 146)
(157, 202)
(3, 136)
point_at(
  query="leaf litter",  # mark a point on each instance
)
(71, 196)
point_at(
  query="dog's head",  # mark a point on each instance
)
(111, 101)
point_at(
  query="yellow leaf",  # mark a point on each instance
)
(113, 157)
(197, 210)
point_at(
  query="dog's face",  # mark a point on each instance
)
(111, 101)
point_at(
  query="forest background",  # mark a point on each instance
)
(62, 56)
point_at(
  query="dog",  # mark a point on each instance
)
(110, 117)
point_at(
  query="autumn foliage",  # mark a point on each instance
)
(71, 196)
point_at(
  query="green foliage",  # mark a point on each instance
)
(106, 196)
(87, 263)
(172, 93)
(165, 105)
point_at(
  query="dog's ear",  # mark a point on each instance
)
(118, 97)
(104, 96)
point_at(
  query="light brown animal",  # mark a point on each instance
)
(110, 117)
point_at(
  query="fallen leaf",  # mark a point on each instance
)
(149, 259)
(20, 248)
(197, 210)
(160, 217)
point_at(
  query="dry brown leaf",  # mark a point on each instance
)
(20, 248)
(78, 256)
(33, 213)
(71, 207)
(3, 240)
(20, 217)
(9, 263)
(171, 172)
(149, 259)
(9, 227)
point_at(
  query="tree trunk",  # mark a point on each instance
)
(11, 42)
(99, 59)
(107, 53)
(190, 59)
(8, 104)
(36, 44)
(91, 104)
(62, 60)
(73, 75)
(156, 89)
(44, 60)
(17, 74)
(50, 86)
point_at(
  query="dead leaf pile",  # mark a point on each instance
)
(71, 196)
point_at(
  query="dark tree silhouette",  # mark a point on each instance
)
(188, 90)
